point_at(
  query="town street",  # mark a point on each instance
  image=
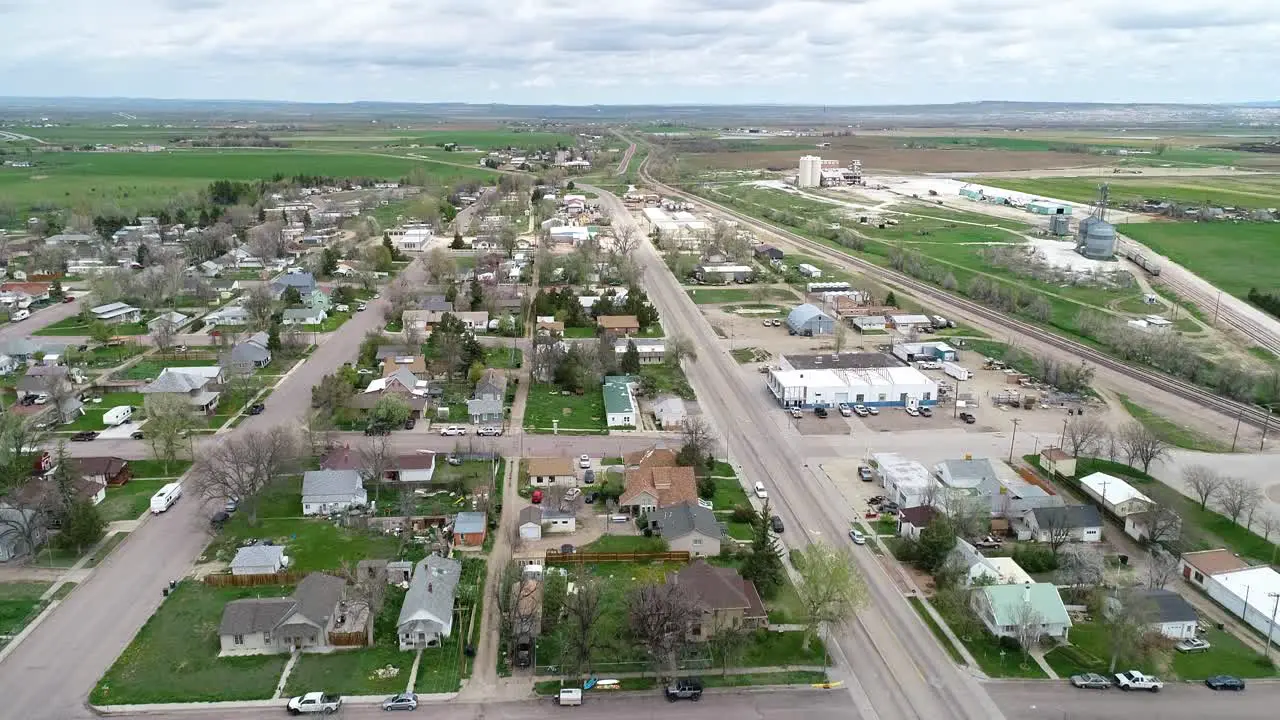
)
(1037, 700)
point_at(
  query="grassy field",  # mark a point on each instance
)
(715, 295)
(312, 543)
(93, 412)
(18, 604)
(503, 357)
(575, 412)
(174, 657)
(74, 326)
(1090, 652)
(1169, 431)
(1206, 191)
(1234, 257)
(149, 369)
(130, 500)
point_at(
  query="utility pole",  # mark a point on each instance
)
(1013, 438)
(1236, 434)
(1272, 625)
(1063, 441)
(1266, 423)
(1216, 304)
(955, 405)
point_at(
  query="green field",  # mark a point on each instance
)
(1234, 257)
(1190, 192)
(575, 412)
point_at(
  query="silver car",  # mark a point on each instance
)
(403, 701)
(489, 431)
(1092, 681)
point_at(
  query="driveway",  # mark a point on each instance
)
(121, 432)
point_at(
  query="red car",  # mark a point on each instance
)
(67, 299)
(537, 497)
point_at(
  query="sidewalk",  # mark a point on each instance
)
(707, 671)
(252, 704)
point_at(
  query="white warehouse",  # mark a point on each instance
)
(881, 387)
(1252, 595)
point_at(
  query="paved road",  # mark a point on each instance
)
(898, 669)
(1060, 701)
(39, 319)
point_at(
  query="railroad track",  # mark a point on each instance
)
(1246, 326)
(1179, 388)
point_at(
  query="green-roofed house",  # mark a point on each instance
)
(1003, 608)
(620, 407)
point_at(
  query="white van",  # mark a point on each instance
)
(570, 697)
(20, 315)
(166, 497)
(118, 415)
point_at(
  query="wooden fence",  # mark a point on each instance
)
(348, 639)
(555, 557)
(287, 577)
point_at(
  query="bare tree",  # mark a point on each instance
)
(162, 334)
(626, 240)
(321, 431)
(1237, 497)
(678, 349)
(699, 443)
(266, 242)
(169, 424)
(240, 466)
(727, 644)
(365, 592)
(376, 458)
(1142, 445)
(1083, 434)
(1056, 528)
(831, 589)
(1028, 628)
(1127, 619)
(60, 392)
(839, 336)
(1162, 567)
(1268, 523)
(260, 305)
(1164, 524)
(439, 265)
(1081, 566)
(661, 617)
(1204, 481)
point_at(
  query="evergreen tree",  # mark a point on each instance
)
(64, 481)
(477, 294)
(763, 565)
(273, 338)
(891, 300)
(457, 241)
(631, 359)
(328, 261)
(82, 526)
(291, 296)
(144, 255)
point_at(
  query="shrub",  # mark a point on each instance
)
(1035, 558)
(706, 488)
(743, 514)
(1010, 644)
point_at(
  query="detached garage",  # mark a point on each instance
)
(807, 320)
(530, 523)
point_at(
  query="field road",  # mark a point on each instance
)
(893, 665)
(8, 136)
(625, 162)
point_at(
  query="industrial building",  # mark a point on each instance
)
(681, 226)
(906, 482)
(836, 361)
(1045, 207)
(911, 352)
(810, 172)
(881, 387)
(723, 273)
(1252, 595)
(808, 320)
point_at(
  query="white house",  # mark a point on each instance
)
(303, 316)
(1077, 523)
(1117, 496)
(328, 491)
(1173, 616)
(1004, 608)
(544, 471)
(906, 482)
(116, 313)
(984, 570)
(555, 520)
(530, 523)
(620, 406)
(426, 617)
(259, 560)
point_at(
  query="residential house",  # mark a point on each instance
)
(170, 321)
(913, 520)
(415, 364)
(416, 469)
(42, 380)
(317, 299)
(254, 626)
(233, 316)
(982, 570)
(1116, 496)
(724, 597)
(470, 528)
(1077, 523)
(1057, 461)
(426, 616)
(669, 412)
(486, 404)
(37, 291)
(303, 316)
(394, 351)
(259, 560)
(546, 471)
(1197, 567)
(22, 350)
(249, 354)
(648, 489)
(658, 455)
(529, 522)
(8, 364)
(618, 324)
(209, 268)
(1161, 524)
(768, 253)
(651, 351)
(620, 407)
(1004, 608)
(688, 526)
(428, 319)
(329, 491)
(534, 520)
(436, 303)
(303, 282)
(194, 383)
(110, 471)
(1171, 615)
(548, 328)
(116, 313)
(21, 532)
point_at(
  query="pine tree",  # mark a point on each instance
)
(64, 480)
(890, 300)
(763, 565)
(631, 359)
(273, 338)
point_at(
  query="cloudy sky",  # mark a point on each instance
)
(645, 51)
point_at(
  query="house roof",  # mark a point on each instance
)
(182, 380)
(34, 289)
(301, 281)
(46, 371)
(485, 406)
(1112, 489)
(1213, 562)
(969, 472)
(258, 555)
(340, 458)
(115, 309)
(918, 516)
(431, 592)
(468, 523)
(302, 313)
(422, 460)
(617, 398)
(101, 466)
(802, 314)
(1054, 454)
(668, 485)
(386, 351)
(176, 319)
(317, 595)
(255, 615)
(530, 514)
(679, 520)
(1068, 516)
(493, 380)
(1006, 600)
(320, 483)
(657, 456)
(553, 466)
(1169, 605)
(719, 588)
(617, 322)
(251, 350)
(392, 364)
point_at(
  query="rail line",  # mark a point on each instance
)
(1179, 388)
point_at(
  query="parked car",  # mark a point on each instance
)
(257, 408)
(1192, 645)
(857, 537)
(68, 299)
(452, 430)
(913, 412)
(315, 702)
(566, 549)
(987, 543)
(489, 431)
(968, 418)
(403, 701)
(820, 412)
(411, 423)
(1092, 681)
(361, 307)
(796, 412)
(864, 473)
(844, 410)
(584, 461)
(888, 506)
(590, 498)
(572, 494)
(84, 436)
(926, 412)
(684, 688)
(1135, 680)
(1224, 682)
(872, 409)
(231, 505)
(861, 410)
(760, 491)
(589, 477)
(775, 523)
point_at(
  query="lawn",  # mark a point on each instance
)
(311, 543)
(579, 332)
(652, 331)
(105, 356)
(503, 357)
(1123, 190)
(331, 323)
(74, 326)
(93, 412)
(574, 412)
(936, 629)
(149, 369)
(1232, 256)
(749, 355)
(626, 544)
(1169, 431)
(19, 603)
(795, 677)
(666, 380)
(130, 500)
(729, 494)
(147, 469)
(715, 296)
(1090, 652)
(994, 660)
(174, 656)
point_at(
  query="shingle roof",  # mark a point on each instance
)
(918, 516)
(100, 466)
(431, 592)
(1212, 562)
(255, 615)
(1169, 605)
(669, 485)
(617, 322)
(530, 514)
(181, 380)
(302, 313)
(1068, 516)
(317, 595)
(719, 588)
(679, 520)
(330, 483)
(467, 523)
(656, 456)
(258, 556)
(546, 466)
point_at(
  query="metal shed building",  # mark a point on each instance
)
(807, 319)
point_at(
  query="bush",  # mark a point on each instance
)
(743, 514)
(1010, 644)
(706, 488)
(1035, 558)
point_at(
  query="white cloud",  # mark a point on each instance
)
(645, 51)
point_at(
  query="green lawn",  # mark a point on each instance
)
(626, 544)
(331, 323)
(105, 356)
(729, 494)
(936, 629)
(312, 543)
(149, 369)
(174, 656)
(19, 603)
(93, 412)
(796, 677)
(667, 379)
(1169, 431)
(715, 295)
(1234, 257)
(653, 331)
(575, 412)
(580, 332)
(986, 649)
(75, 327)
(130, 500)
(1090, 652)
(156, 469)
(503, 357)
(1124, 190)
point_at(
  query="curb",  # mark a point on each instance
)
(361, 700)
(739, 690)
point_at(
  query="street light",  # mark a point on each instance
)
(1012, 439)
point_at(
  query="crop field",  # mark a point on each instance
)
(1234, 257)
(1192, 191)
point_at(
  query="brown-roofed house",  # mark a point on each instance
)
(110, 471)
(415, 364)
(1197, 566)
(555, 329)
(1057, 460)
(725, 598)
(619, 324)
(37, 290)
(654, 487)
(913, 520)
(550, 471)
(656, 456)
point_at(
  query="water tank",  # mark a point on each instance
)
(1060, 225)
(1096, 239)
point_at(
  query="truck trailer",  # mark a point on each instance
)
(956, 371)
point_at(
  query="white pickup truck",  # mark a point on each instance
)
(315, 702)
(1134, 680)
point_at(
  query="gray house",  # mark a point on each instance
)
(327, 491)
(303, 282)
(487, 401)
(259, 560)
(807, 320)
(257, 626)
(688, 526)
(426, 617)
(250, 354)
(1079, 523)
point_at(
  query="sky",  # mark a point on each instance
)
(580, 52)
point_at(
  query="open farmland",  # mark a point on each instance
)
(1229, 192)
(1234, 257)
